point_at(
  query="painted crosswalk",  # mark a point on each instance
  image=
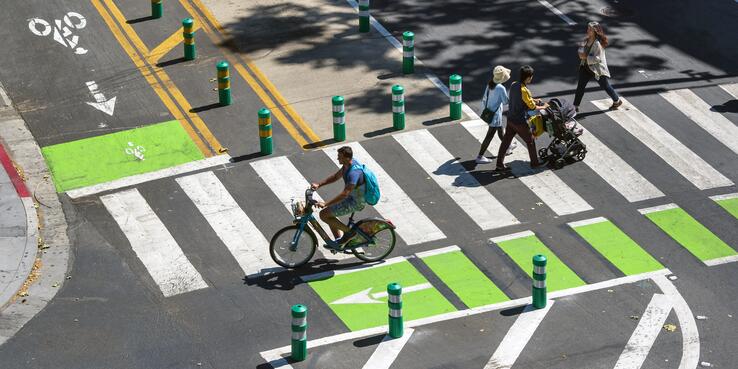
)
(153, 244)
(237, 232)
(483, 208)
(544, 183)
(666, 146)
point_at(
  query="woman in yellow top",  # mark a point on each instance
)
(593, 64)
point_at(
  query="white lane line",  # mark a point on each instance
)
(615, 171)
(731, 88)
(517, 337)
(690, 334)
(644, 336)
(357, 268)
(387, 351)
(558, 12)
(512, 236)
(657, 208)
(699, 112)
(666, 146)
(275, 353)
(276, 360)
(726, 196)
(4, 96)
(412, 225)
(483, 208)
(443, 250)
(247, 245)
(287, 183)
(152, 243)
(722, 260)
(543, 182)
(581, 223)
(151, 176)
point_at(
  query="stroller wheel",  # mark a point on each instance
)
(580, 156)
(543, 153)
(559, 163)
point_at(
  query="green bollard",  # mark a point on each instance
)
(339, 119)
(265, 131)
(157, 8)
(363, 15)
(398, 107)
(454, 90)
(408, 52)
(189, 39)
(224, 83)
(394, 293)
(299, 332)
(539, 281)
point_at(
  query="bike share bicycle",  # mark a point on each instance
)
(294, 245)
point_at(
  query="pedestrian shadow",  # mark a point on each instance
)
(728, 107)
(466, 175)
(582, 116)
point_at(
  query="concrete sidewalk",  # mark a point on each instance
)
(34, 247)
(18, 230)
(312, 49)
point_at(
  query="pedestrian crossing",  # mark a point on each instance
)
(474, 210)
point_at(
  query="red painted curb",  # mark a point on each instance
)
(20, 186)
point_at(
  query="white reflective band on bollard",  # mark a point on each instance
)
(454, 86)
(539, 269)
(408, 43)
(395, 313)
(395, 298)
(397, 97)
(299, 321)
(338, 120)
(539, 284)
(299, 336)
(456, 98)
(407, 54)
(398, 109)
(363, 13)
(363, 2)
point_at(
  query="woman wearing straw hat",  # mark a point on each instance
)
(495, 96)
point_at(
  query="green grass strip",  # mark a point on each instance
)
(730, 205)
(416, 304)
(689, 233)
(618, 248)
(104, 158)
(465, 279)
(522, 250)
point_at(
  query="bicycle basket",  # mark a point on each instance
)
(298, 209)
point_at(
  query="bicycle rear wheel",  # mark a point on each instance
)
(282, 252)
(381, 244)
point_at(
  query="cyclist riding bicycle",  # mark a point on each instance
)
(350, 200)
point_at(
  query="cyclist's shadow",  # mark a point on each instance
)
(287, 279)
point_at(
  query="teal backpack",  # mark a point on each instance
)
(371, 184)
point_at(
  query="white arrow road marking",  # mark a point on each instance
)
(645, 334)
(364, 297)
(101, 103)
(690, 334)
(387, 351)
(517, 337)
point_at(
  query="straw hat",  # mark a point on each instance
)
(500, 74)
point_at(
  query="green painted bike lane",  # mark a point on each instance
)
(113, 156)
(616, 246)
(689, 233)
(521, 247)
(728, 202)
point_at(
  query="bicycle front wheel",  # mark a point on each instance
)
(381, 245)
(292, 256)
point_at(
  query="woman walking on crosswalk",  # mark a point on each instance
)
(593, 64)
(494, 97)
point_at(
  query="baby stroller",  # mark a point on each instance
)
(558, 121)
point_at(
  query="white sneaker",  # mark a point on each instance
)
(512, 147)
(482, 160)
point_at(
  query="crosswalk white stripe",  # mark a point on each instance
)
(152, 243)
(461, 186)
(673, 152)
(412, 225)
(544, 183)
(699, 112)
(247, 245)
(287, 183)
(387, 351)
(615, 171)
(644, 336)
(731, 88)
(517, 337)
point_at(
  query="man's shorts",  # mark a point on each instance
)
(347, 206)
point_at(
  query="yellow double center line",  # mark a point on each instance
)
(251, 74)
(146, 64)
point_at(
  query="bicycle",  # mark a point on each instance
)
(294, 245)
